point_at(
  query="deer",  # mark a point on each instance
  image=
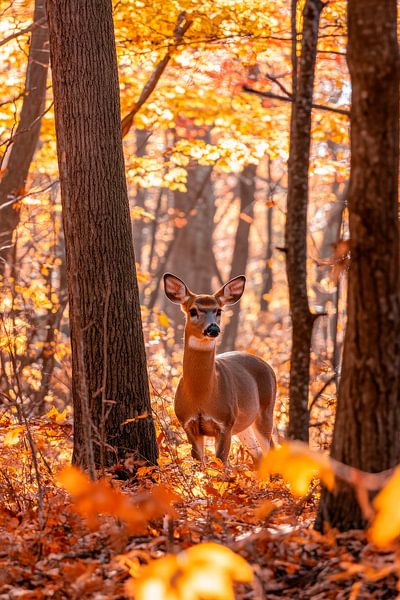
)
(220, 395)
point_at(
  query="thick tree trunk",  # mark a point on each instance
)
(367, 424)
(247, 188)
(26, 136)
(110, 387)
(296, 226)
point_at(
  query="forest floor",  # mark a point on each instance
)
(54, 552)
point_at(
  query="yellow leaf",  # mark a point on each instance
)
(12, 437)
(56, 416)
(163, 320)
(221, 557)
(298, 465)
(203, 572)
(386, 524)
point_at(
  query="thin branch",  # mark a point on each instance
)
(339, 111)
(280, 85)
(16, 34)
(13, 136)
(321, 391)
(181, 27)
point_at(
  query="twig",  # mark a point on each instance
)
(321, 391)
(182, 26)
(339, 111)
(280, 85)
(16, 34)
(22, 419)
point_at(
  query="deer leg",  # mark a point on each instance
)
(263, 430)
(223, 445)
(249, 440)
(197, 442)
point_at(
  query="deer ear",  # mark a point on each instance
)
(175, 289)
(231, 292)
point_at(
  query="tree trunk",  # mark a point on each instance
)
(247, 188)
(191, 256)
(296, 226)
(268, 277)
(367, 424)
(26, 136)
(110, 386)
(138, 225)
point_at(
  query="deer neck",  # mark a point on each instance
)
(199, 372)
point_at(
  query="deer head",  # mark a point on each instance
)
(203, 311)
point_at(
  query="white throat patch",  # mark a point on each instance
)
(201, 344)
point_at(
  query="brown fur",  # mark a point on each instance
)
(222, 395)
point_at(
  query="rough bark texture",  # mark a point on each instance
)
(367, 423)
(247, 188)
(109, 367)
(26, 135)
(296, 225)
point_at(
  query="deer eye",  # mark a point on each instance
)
(193, 312)
(219, 312)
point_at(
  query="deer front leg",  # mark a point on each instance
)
(197, 442)
(223, 445)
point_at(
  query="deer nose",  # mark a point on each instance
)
(212, 330)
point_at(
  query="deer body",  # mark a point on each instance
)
(220, 395)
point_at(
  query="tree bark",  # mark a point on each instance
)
(138, 225)
(110, 386)
(247, 188)
(268, 276)
(367, 426)
(296, 226)
(27, 134)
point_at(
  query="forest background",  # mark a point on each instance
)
(206, 107)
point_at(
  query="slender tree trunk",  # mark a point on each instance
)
(197, 195)
(110, 387)
(330, 237)
(247, 188)
(268, 281)
(296, 226)
(367, 424)
(26, 136)
(191, 257)
(138, 225)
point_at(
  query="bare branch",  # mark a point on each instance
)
(16, 34)
(181, 27)
(339, 111)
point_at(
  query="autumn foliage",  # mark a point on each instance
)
(206, 92)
